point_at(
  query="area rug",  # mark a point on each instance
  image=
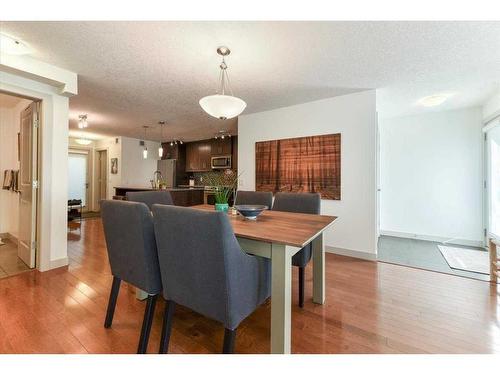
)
(465, 259)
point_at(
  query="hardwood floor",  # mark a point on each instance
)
(370, 308)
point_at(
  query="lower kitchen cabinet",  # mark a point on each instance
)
(187, 198)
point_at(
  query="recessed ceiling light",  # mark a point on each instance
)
(433, 100)
(13, 46)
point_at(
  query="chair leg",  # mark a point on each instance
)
(167, 326)
(229, 339)
(301, 286)
(146, 324)
(115, 288)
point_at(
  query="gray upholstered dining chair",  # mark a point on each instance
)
(203, 268)
(150, 197)
(133, 257)
(264, 198)
(306, 203)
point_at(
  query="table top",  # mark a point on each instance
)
(287, 228)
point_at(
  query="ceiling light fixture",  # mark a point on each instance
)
(82, 122)
(433, 100)
(145, 150)
(222, 134)
(221, 105)
(83, 141)
(12, 46)
(175, 142)
(160, 149)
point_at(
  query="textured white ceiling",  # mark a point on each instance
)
(137, 73)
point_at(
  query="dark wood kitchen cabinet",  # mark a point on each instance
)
(198, 156)
(221, 147)
(187, 197)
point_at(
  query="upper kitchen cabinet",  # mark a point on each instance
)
(221, 146)
(198, 156)
(170, 151)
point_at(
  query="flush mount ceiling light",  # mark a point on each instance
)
(223, 105)
(82, 122)
(83, 141)
(145, 150)
(433, 100)
(160, 149)
(12, 46)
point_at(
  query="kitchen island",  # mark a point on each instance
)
(182, 196)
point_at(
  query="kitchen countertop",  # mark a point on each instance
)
(180, 188)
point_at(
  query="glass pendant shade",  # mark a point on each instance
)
(160, 151)
(222, 106)
(145, 153)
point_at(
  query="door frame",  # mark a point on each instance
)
(36, 155)
(492, 123)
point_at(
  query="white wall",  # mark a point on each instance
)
(354, 116)
(9, 201)
(114, 151)
(52, 240)
(431, 175)
(135, 170)
(492, 107)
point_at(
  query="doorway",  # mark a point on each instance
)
(78, 178)
(19, 125)
(492, 151)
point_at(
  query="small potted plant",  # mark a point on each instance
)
(224, 184)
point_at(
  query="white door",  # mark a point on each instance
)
(28, 184)
(78, 173)
(493, 182)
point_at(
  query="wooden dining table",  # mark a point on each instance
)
(278, 235)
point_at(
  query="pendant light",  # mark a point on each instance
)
(160, 149)
(82, 122)
(223, 105)
(145, 150)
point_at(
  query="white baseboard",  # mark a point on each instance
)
(59, 263)
(351, 253)
(424, 237)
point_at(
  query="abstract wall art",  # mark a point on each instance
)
(301, 165)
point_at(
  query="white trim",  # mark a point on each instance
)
(351, 253)
(63, 80)
(61, 262)
(425, 237)
(488, 120)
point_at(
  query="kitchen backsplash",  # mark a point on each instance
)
(201, 178)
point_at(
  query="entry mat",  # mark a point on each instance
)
(465, 259)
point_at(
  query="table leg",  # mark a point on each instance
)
(318, 249)
(281, 298)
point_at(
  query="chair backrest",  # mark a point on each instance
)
(130, 239)
(305, 203)
(264, 198)
(150, 197)
(201, 261)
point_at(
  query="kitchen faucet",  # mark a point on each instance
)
(155, 182)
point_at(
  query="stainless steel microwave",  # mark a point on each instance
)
(221, 162)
